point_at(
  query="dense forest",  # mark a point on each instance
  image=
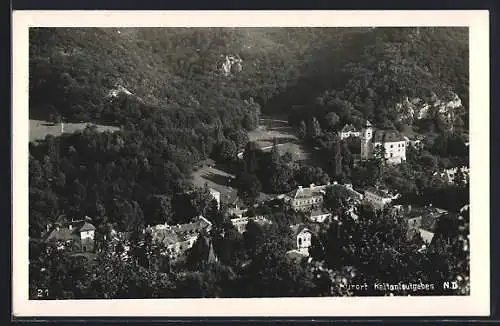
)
(167, 91)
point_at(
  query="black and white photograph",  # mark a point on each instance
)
(253, 162)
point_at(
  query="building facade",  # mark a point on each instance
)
(240, 223)
(391, 142)
(303, 238)
(306, 198)
(349, 131)
(75, 235)
(377, 197)
(422, 220)
(177, 239)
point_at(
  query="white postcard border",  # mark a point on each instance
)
(477, 304)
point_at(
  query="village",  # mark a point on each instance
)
(79, 236)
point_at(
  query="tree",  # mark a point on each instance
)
(336, 161)
(198, 254)
(347, 160)
(305, 175)
(248, 186)
(159, 209)
(227, 151)
(335, 200)
(275, 154)
(239, 137)
(250, 159)
(253, 237)
(331, 121)
(314, 128)
(302, 130)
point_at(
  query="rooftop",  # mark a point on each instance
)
(348, 128)
(307, 192)
(319, 211)
(378, 192)
(64, 231)
(428, 215)
(427, 236)
(170, 234)
(298, 228)
(348, 191)
(387, 136)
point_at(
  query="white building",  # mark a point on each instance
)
(416, 142)
(306, 198)
(349, 131)
(179, 238)
(240, 223)
(77, 235)
(216, 195)
(451, 173)
(378, 198)
(320, 215)
(391, 141)
(303, 238)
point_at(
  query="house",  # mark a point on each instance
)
(303, 237)
(240, 223)
(423, 220)
(179, 238)
(349, 131)
(306, 198)
(377, 198)
(215, 195)
(391, 141)
(416, 142)
(349, 193)
(320, 215)
(236, 211)
(76, 235)
(451, 173)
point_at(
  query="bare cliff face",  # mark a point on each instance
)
(414, 109)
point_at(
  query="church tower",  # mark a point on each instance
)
(366, 140)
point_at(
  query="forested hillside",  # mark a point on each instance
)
(166, 88)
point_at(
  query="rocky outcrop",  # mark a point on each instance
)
(413, 109)
(119, 90)
(231, 65)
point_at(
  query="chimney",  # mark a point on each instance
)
(70, 227)
(57, 228)
(311, 185)
(48, 227)
(300, 187)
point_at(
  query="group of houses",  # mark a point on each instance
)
(310, 199)
(78, 236)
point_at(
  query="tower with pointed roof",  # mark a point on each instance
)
(366, 140)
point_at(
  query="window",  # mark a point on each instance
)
(300, 242)
(392, 145)
(390, 154)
